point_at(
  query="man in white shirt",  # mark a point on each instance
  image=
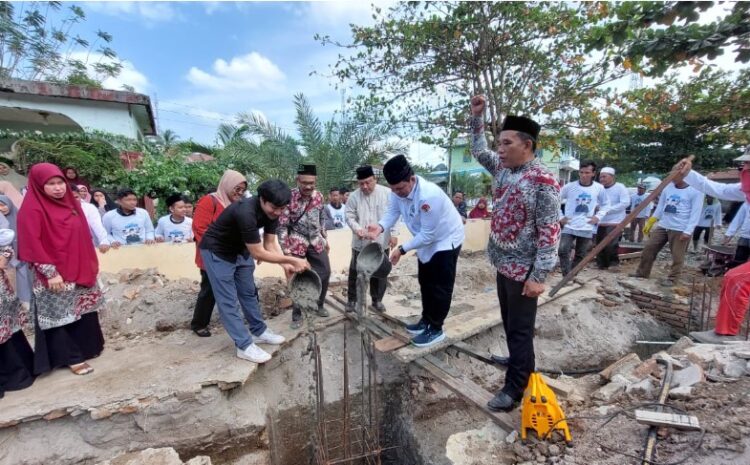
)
(678, 212)
(618, 198)
(710, 218)
(366, 206)
(128, 224)
(438, 234)
(635, 232)
(94, 219)
(585, 204)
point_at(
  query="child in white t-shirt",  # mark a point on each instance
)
(175, 227)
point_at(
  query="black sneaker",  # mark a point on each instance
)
(322, 312)
(416, 328)
(429, 337)
(378, 307)
(502, 402)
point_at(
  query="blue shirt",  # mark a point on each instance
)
(430, 216)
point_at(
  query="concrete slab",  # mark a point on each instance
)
(141, 374)
(710, 337)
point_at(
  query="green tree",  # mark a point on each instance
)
(170, 138)
(37, 42)
(652, 37)
(421, 62)
(650, 129)
(336, 147)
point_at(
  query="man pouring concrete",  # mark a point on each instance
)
(735, 289)
(524, 236)
(366, 206)
(438, 233)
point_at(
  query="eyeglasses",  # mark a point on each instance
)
(239, 190)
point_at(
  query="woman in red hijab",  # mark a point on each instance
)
(54, 237)
(480, 210)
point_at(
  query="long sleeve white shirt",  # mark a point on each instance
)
(94, 219)
(618, 198)
(711, 215)
(740, 223)
(715, 189)
(431, 218)
(582, 203)
(679, 209)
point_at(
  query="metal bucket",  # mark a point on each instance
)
(304, 288)
(373, 261)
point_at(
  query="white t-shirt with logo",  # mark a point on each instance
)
(338, 216)
(174, 232)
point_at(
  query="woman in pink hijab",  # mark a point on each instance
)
(83, 191)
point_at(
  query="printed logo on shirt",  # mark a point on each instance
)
(671, 204)
(582, 203)
(425, 207)
(176, 236)
(132, 233)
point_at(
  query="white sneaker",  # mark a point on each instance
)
(254, 354)
(269, 337)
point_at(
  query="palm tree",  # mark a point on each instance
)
(169, 137)
(336, 147)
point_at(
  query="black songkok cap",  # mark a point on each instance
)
(397, 169)
(522, 124)
(173, 199)
(307, 169)
(364, 172)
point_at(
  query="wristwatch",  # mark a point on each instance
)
(401, 250)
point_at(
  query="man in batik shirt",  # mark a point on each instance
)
(523, 239)
(302, 233)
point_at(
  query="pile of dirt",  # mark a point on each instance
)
(142, 302)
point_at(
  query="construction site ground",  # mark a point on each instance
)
(157, 385)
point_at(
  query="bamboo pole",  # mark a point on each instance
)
(615, 232)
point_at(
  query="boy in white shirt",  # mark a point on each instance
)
(175, 227)
(128, 224)
(710, 218)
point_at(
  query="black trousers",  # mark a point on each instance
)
(204, 305)
(567, 242)
(741, 253)
(608, 256)
(519, 315)
(706, 230)
(377, 285)
(436, 279)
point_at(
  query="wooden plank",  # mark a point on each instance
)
(389, 344)
(672, 420)
(470, 391)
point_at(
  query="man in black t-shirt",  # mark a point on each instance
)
(228, 248)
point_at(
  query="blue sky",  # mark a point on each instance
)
(203, 62)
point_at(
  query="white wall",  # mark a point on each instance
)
(110, 117)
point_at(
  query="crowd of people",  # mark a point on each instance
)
(49, 232)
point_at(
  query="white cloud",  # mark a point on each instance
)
(151, 12)
(246, 72)
(129, 75)
(344, 12)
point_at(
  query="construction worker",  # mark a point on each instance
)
(735, 289)
(523, 240)
(438, 234)
(618, 198)
(586, 204)
(678, 212)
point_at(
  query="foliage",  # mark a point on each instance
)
(335, 147)
(37, 43)
(422, 61)
(160, 177)
(472, 185)
(652, 37)
(650, 129)
(170, 138)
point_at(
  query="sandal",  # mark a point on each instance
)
(203, 332)
(81, 369)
